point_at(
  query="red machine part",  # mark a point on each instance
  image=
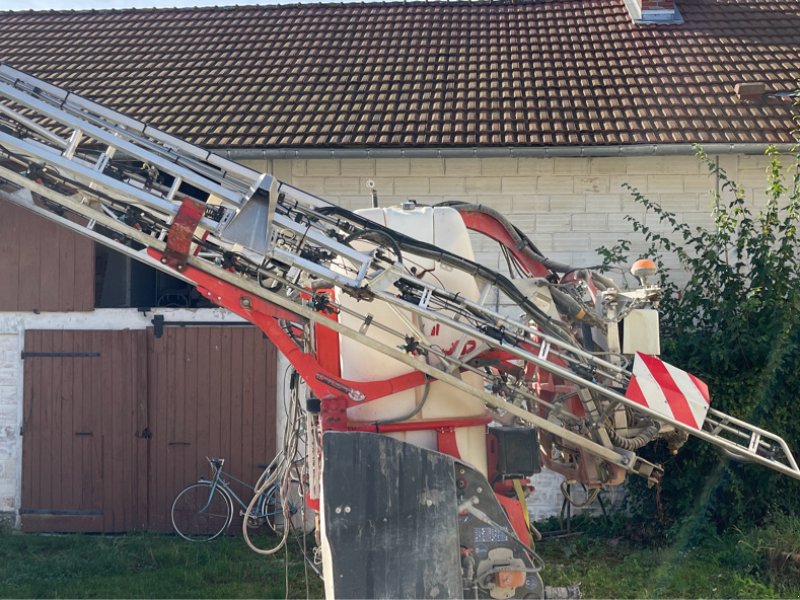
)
(547, 386)
(484, 223)
(321, 371)
(181, 233)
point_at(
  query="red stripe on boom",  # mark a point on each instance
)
(678, 403)
(634, 392)
(701, 385)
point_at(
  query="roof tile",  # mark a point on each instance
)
(528, 72)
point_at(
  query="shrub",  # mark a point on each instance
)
(735, 324)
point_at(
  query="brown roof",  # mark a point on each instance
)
(516, 73)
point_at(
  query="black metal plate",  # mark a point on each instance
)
(390, 518)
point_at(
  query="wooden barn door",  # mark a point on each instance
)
(117, 422)
(84, 468)
(212, 393)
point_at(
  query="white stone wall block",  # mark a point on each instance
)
(462, 166)
(519, 185)
(608, 165)
(325, 167)
(448, 186)
(358, 167)
(354, 202)
(570, 166)
(555, 184)
(568, 204)
(495, 167)
(608, 239)
(383, 185)
(428, 167)
(281, 169)
(483, 185)
(701, 183)
(664, 184)
(646, 165)
(336, 186)
(631, 206)
(535, 166)
(687, 201)
(729, 163)
(589, 222)
(537, 203)
(755, 178)
(299, 168)
(8, 375)
(564, 257)
(8, 342)
(498, 202)
(411, 186)
(616, 183)
(592, 184)
(526, 222)
(543, 241)
(482, 243)
(313, 185)
(586, 259)
(683, 165)
(487, 257)
(604, 202)
(752, 161)
(553, 223)
(699, 219)
(392, 167)
(571, 242)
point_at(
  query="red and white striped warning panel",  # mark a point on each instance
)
(669, 391)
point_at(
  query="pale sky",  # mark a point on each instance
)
(100, 4)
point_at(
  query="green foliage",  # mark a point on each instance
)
(735, 324)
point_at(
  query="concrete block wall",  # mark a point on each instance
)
(569, 207)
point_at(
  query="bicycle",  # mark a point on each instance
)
(203, 510)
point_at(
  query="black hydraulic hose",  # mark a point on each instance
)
(427, 250)
(634, 443)
(522, 241)
(377, 237)
(572, 308)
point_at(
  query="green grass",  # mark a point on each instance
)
(736, 565)
(145, 566)
(604, 561)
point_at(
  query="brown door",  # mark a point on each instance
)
(117, 422)
(212, 393)
(43, 264)
(84, 468)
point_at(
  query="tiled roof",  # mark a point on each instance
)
(443, 74)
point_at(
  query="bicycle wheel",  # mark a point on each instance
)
(200, 513)
(270, 508)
